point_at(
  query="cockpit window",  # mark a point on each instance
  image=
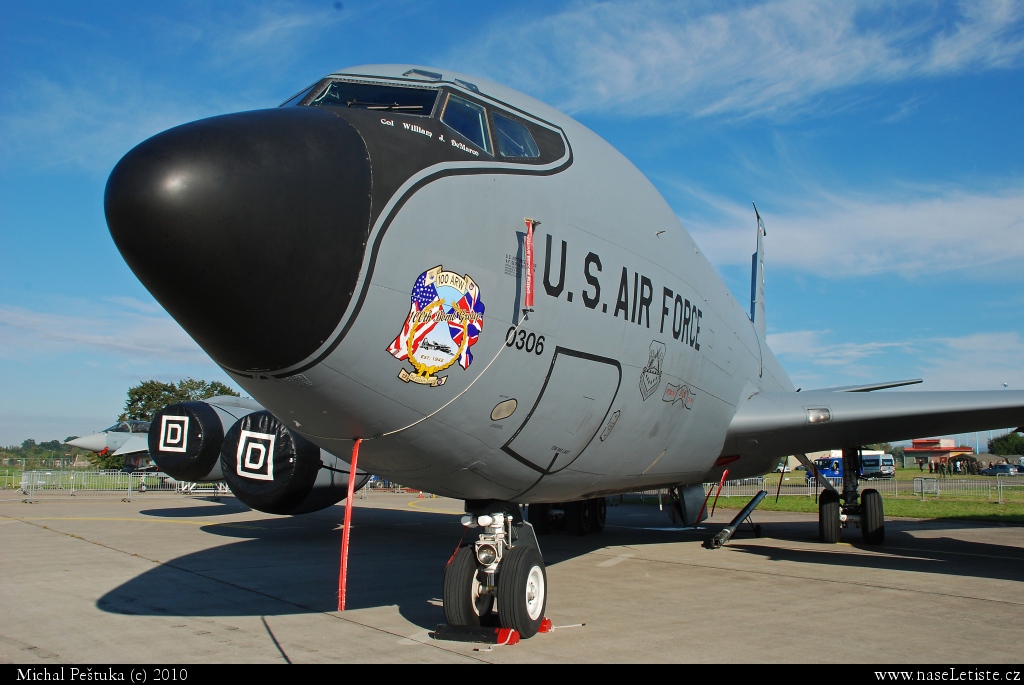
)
(514, 139)
(296, 99)
(129, 426)
(469, 119)
(377, 96)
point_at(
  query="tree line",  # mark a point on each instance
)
(143, 402)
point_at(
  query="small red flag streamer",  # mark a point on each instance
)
(528, 304)
(708, 496)
(343, 575)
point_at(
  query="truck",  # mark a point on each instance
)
(877, 466)
(873, 464)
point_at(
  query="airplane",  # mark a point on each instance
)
(127, 438)
(471, 293)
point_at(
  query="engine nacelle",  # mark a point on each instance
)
(273, 469)
(185, 438)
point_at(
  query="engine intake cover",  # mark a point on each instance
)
(268, 466)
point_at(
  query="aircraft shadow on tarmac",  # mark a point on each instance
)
(289, 565)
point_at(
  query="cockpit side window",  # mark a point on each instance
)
(514, 139)
(378, 97)
(469, 119)
(298, 97)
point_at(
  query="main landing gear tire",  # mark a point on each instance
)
(598, 513)
(579, 517)
(828, 517)
(540, 518)
(522, 591)
(872, 517)
(464, 604)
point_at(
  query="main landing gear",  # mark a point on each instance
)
(578, 518)
(503, 568)
(864, 511)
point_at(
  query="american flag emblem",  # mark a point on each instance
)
(446, 317)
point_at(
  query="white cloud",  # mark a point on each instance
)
(943, 230)
(88, 124)
(978, 361)
(755, 58)
(117, 331)
(813, 347)
(90, 112)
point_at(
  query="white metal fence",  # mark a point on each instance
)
(994, 489)
(129, 486)
(34, 485)
(90, 484)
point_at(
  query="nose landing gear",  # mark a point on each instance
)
(503, 567)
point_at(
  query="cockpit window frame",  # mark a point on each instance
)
(320, 90)
(488, 148)
(517, 123)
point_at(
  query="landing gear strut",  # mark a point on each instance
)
(504, 567)
(863, 510)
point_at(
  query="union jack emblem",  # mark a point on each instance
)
(437, 297)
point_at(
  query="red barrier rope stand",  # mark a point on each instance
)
(343, 575)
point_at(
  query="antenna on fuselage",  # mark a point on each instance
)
(757, 279)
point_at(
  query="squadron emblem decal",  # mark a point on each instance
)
(650, 377)
(445, 318)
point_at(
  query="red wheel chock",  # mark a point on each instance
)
(489, 636)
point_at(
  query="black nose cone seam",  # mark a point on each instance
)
(248, 228)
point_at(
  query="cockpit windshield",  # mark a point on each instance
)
(129, 426)
(377, 96)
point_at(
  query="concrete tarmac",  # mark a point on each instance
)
(177, 581)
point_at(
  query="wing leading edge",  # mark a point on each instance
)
(783, 423)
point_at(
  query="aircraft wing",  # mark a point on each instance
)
(781, 423)
(136, 443)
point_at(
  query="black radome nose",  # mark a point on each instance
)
(248, 228)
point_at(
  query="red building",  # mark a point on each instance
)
(935, 451)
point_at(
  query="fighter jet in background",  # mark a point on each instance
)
(127, 438)
(478, 297)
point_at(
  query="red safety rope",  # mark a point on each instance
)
(343, 574)
(720, 484)
(707, 496)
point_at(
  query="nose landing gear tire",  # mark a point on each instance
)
(464, 603)
(522, 591)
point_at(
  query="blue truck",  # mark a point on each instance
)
(873, 464)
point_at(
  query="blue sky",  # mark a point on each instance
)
(882, 145)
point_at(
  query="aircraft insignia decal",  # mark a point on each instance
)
(679, 393)
(650, 377)
(446, 316)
